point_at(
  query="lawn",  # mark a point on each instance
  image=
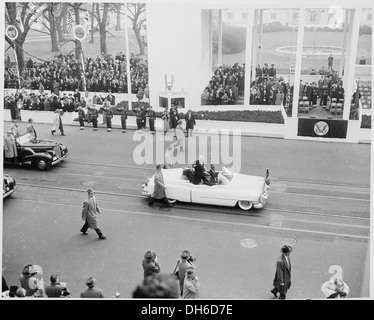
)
(273, 40)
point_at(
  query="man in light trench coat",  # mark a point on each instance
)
(159, 189)
(89, 211)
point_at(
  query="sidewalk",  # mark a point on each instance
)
(248, 129)
(202, 126)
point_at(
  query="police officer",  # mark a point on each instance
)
(94, 116)
(152, 118)
(139, 118)
(81, 116)
(109, 116)
(123, 113)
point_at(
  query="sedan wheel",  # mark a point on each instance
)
(42, 164)
(245, 205)
(172, 201)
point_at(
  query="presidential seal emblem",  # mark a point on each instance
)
(321, 128)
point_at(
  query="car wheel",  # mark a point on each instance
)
(245, 205)
(43, 164)
(172, 201)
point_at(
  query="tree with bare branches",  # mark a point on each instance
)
(101, 15)
(27, 16)
(135, 15)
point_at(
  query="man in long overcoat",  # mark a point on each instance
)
(190, 122)
(159, 189)
(282, 279)
(10, 147)
(89, 212)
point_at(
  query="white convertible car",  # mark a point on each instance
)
(232, 189)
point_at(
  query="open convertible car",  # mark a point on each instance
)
(9, 185)
(41, 153)
(232, 189)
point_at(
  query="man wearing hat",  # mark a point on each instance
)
(191, 285)
(282, 279)
(31, 280)
(57, 122)
(150, 264)
(183, 264)
(91, 291)
(89, 212)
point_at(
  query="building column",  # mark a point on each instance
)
(260, 36)
(219, 60)
(349, 72)
(254, 46)
(345, 29)
(206, 47)
(299, 59)
(128, 74)
(248, 55)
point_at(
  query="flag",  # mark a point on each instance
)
(86, 22)
(70, 21)
(19, 21)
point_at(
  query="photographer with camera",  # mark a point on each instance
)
(56, 289)
(32, 281)
(183, 264)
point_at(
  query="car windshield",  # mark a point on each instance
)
(25, 138)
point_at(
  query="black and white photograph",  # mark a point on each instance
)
(189, 150)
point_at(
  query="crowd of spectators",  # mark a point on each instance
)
(64, 73)
(267, 88)
(225, 86)
(67, 102)
(181, 283)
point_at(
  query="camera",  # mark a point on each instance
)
(191, 259)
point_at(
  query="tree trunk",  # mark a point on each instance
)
(92, 24)
(118, 12)
(60, 34)
(138, 38)
(53, 31)
(78, 44)
(103, 40)
(20, 57)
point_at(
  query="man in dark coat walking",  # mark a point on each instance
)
(282, 279)
(159, 189)
(190, 123)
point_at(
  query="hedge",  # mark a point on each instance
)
(245, 115)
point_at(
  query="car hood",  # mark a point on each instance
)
(40, 143)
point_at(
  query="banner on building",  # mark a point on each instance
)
(322, 128)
